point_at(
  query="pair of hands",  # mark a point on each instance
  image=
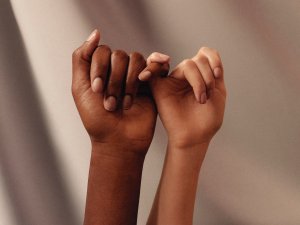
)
(118, 96)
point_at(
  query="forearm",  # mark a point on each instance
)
(113, 186)
(175, 198)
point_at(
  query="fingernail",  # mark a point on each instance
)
(110, 103)
(145, 75)
(217, 72)
(127, 101)
(203, 98)
(92, 35)
(97, 85)
(198, 96)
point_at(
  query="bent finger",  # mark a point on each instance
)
(188, 70)
(99, 68)
(119, 64)
(216, 65)
(136, 64)
(207, 74)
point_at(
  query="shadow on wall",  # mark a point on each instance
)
(27, 156)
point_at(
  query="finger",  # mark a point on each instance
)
(158, 57)
(154, 69)
(99, 68)
(81, 62)
(216, 65)
(136, 64)
(119, 63)
(158, 64)
(207, 74)
(188, 70)
(214, 60)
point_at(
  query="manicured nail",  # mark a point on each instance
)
(127, 101)
(110, 103)
(92, 35)
(145, 75)
(198, 96)
(217, 72)
(203, 98)
(97, 85)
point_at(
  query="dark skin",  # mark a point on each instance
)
(120, 130)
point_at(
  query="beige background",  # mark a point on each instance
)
(251, 174)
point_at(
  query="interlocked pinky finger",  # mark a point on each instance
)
(158, 57)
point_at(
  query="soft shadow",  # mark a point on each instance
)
(28, 162)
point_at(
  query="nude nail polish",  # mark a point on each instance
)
(110, 103)
(203, 98)
(97, 85)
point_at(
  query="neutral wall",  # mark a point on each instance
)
(251, 174)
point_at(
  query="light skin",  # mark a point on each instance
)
(190, 103)
(119, 115)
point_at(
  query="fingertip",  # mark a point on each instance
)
(97, 85)
(145, 75)
(197, 96)
(95, 35)
(157, 57)
(203, 98)
(110, 103)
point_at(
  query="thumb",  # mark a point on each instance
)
(81, 61)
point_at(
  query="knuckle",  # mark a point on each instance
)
(76, 54)
(137, 56)
(203, 49)
(202, 59)
(187, 63)
(155, 54)
(104, 48)
(120, 54)
(208, 50)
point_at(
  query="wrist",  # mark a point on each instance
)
(188, 144)
(118, 151)
(114, 183)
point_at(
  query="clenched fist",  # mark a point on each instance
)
(191, 100)
(116, 108)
